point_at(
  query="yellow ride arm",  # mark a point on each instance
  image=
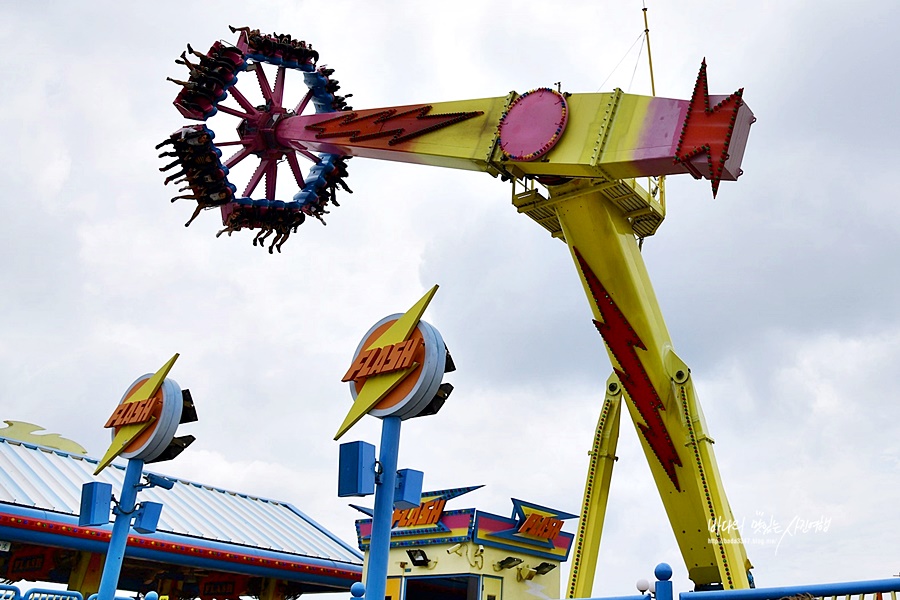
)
(588, 149)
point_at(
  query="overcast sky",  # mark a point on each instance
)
(781, 294)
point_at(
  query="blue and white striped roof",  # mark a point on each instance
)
(46, 479)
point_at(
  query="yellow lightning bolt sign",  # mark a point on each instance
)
(127, 433)
(377, 387)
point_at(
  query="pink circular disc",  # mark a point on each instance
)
(533, 124)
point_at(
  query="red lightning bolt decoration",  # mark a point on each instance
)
(379, 123)
(622, 341)
(708, 130)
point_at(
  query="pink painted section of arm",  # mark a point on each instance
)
(650, 148)
(652, 153)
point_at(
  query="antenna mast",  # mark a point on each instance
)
(660, 183)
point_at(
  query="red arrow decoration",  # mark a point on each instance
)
(363, 125)
(708, 130)
(623, 342)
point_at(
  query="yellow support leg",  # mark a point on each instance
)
(596, 494)
(272, 590)
(722, 528)
(167, 588)
(666, 414)
(85, 577)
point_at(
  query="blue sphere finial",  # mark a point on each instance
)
(358, 589)
(151, 596)
(663, 572)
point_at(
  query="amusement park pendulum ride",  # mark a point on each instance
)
(574, 161)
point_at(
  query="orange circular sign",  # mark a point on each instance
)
(422, 356)
(162, 410)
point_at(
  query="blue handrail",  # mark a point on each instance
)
(45, 594)
(9, 592)
(663, 590)
(94, 597)
(821, 590)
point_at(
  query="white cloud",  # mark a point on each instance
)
(781, 294)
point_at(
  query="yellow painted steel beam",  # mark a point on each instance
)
(607, 136)
(723, 533)
(586, 546)
(628, 316)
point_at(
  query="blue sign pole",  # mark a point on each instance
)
(380, 542)
(124, 512)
